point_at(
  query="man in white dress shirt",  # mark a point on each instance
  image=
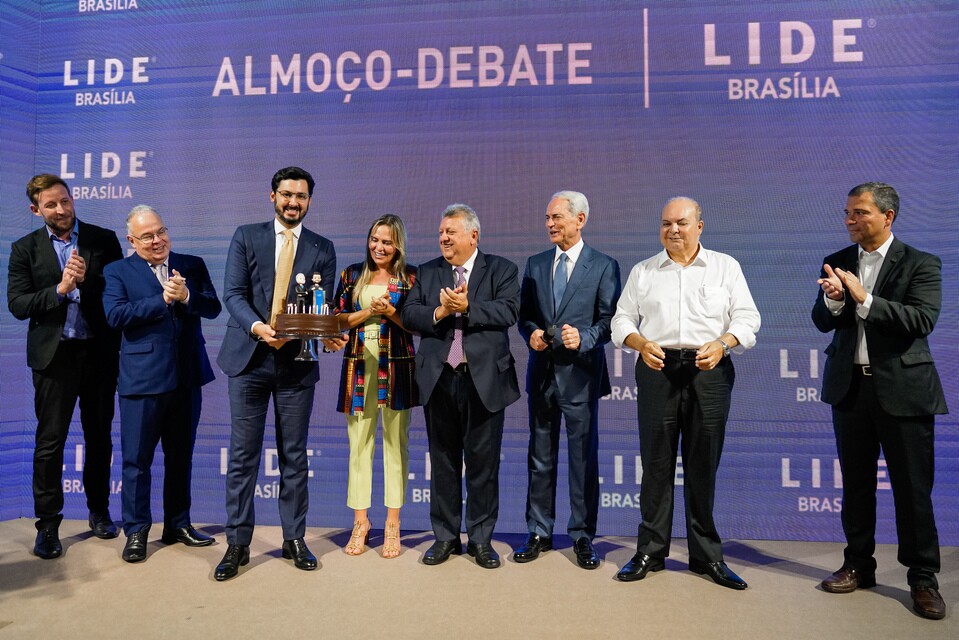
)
(683, 310)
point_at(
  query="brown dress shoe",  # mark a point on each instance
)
(927, 602)
(847, 580)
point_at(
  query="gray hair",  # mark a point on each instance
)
(883, 195)
(140, 209)
(577, 202)
(698, 209)
(470, 219)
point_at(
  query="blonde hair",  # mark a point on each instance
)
(398, 266)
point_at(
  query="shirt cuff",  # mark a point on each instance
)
(835, 306)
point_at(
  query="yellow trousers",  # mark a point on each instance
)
(361, 429)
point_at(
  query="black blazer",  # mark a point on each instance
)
(32, 291)
(493, 294)
(906, 302)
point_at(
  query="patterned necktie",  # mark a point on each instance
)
(457, 355)
(284, 269)
(159, 270)
(559, 281)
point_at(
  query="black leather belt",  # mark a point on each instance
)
(864, 369)
(460, 368)
(681, 354)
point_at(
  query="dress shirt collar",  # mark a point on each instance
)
(73, 234)
(665, 261)
(573, 252)
(882, 250)
(468, 265)
(278, 228)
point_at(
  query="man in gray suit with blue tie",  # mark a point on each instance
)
(257, 284)
(568, 298)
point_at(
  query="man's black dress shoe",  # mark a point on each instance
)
(586, 556)
(638, 567)
(485, 556)
(927, 602)
(300, 553)
(48, 544)
(236, 556)
(719, 573)
(188, 536)
(135, 549)
(441, 551)
(848, 579)
(102, 526)
(534, 545)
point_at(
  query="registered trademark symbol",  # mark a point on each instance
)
(871, 23)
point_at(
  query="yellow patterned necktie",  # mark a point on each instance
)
(284, 269)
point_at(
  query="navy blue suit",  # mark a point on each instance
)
(258, 372)
(464, 411)
(563, 383)
(163, 364)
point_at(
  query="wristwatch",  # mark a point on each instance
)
(725, 348)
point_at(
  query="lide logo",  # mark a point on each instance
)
(106, 77)
(104, 166)
(794, 42)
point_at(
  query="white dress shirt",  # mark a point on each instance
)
(870, 264)
(686, 307)
(572, 253)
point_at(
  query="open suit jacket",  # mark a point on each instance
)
(906, 301)
(588, 304)
(162, 346)
(31, 291)
(493, 294)
(248, 290)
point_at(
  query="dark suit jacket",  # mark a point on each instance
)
(162, 346)
(906, 301)
(588, 304)
(32, 291)
(493, 294)
(248, 291)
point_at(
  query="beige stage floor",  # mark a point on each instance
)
(91, 593)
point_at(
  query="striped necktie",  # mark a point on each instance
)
(284, 269)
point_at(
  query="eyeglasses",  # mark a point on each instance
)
(147, 238)
(289, 195)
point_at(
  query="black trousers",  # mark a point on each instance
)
(862, 429)
(461, 430)
(681, 403)
(80, 370)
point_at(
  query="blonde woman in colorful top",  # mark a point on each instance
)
(377, 377)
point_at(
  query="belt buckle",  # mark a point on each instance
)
(866, 370)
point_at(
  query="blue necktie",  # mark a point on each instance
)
(559, 281)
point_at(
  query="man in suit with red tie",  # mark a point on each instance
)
(261, 260)
(881, 299)
(463, 305)
(568, 299)
(56, 281)
(156, 299)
